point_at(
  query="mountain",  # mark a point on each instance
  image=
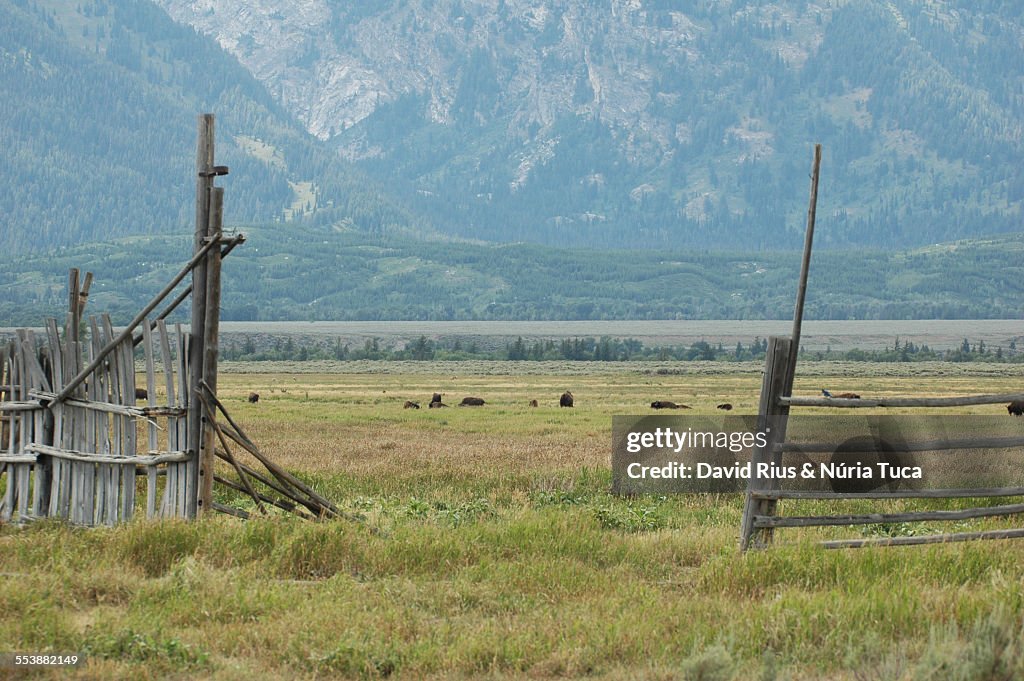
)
(626, 124)
(98, 132)
(657, 123)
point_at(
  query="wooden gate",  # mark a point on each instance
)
(79, 459)
(77, 443)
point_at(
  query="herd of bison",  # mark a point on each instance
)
(1016, 408)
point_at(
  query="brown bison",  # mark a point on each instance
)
(665, 404)
(1016, 407)
(840, 396)
(436, 397)
(725, 406)
(472, 402)
(254, 398)
(141, 394)
(534, 403)
(436, 405)
(409, 404)
(565, 400)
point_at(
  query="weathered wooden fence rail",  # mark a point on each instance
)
(959, 401)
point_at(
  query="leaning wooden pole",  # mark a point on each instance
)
(227, 246)
(132, 325)
(195, 438)
(801, 292)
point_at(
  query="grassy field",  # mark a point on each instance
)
(488, 546)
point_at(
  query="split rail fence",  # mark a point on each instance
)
(761, 512)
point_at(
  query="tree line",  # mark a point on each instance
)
(591, 349)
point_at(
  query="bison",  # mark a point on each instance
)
(665, 404)
(141, 394)
(472, 402)
(725, 406)
(565, 400)
(1016, 407)
(437, 405)
(254, 398)
(436, 397)
(534, 403)
(840, 396)
(409, 404)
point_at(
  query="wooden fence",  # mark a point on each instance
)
(760, 517)
(76, 441)
(760, 513)
(79, 459)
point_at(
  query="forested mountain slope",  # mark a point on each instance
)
(98, 131)
(658, 123)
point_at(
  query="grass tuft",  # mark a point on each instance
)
(128, 645)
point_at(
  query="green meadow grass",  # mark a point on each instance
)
(488, 546)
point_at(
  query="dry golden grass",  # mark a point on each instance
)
(355, 424)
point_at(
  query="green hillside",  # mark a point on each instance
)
(304, 274)
(700, 132)
(682, 127)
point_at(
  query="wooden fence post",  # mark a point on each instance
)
(71, 329)
(771, 414)
(204, 184)
(211, 347)
(805, 267)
